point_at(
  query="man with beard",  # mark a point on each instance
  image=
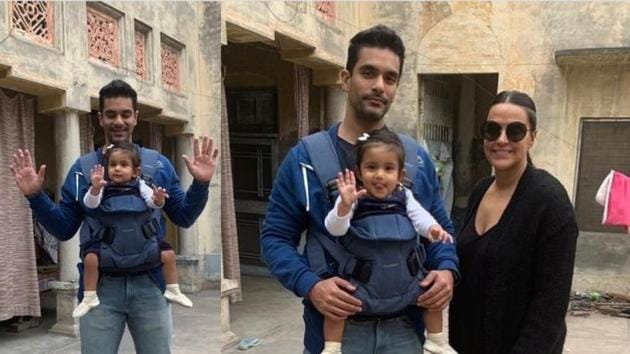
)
(371, 78)
(126, 298)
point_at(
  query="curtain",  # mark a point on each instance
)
(19, 291)
(156, 131)
(229, 236)
(86, 133)
(302, 80)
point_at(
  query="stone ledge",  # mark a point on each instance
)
(63, 285)
(593, 56)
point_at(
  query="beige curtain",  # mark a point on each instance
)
(156, 131)
(302, 80)
(86, 133)
(229, 236)
(19, 291)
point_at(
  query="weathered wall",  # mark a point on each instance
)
(67, 67)
(299, 21)
(206, 119)
(64, 77)
(518, 41)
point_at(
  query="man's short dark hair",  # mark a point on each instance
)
(379, 36)
(117, 88)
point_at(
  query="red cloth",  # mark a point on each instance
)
(616, 191)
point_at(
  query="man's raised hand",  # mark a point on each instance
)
(27, 179)
(202, 166)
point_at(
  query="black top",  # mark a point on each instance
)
(471, 250)
(347, 154)
(516, 279)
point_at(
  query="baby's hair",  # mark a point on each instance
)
(126, 147)
(382, 136)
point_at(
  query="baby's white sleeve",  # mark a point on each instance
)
(421, 219)
(147, 194)
(338, 225)
(92, 201)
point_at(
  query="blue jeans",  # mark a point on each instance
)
(136, 301)
(392, 336)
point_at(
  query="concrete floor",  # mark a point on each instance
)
(274, 315)
(195, 330)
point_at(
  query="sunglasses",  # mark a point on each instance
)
(515, 131)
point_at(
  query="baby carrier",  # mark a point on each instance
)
(381, 254)
(123, 226)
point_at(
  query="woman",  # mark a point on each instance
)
(516, 245)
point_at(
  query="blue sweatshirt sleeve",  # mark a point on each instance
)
(439, 255)
(63, 220)
(285, 220)
(182, 208)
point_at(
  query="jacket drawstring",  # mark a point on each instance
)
(305, 178)
(76, 185)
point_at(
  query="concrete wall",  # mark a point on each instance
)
(64, 77)
(518, 41)
(67, 67)
(602, 262)
(297, 25)
(206, 120)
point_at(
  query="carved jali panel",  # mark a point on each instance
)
(102, 36)
(170, 66)
(141, 54)
(35, 18)
(326, 9)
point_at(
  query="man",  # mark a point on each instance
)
(297, 202)
(134, 299)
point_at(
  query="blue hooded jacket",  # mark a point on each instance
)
(299, 202)
(63, 220)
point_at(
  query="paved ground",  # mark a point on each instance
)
(195, 330)
(273, 314)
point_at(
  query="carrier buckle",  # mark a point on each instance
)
(413, 263)
(333, 189)
(148, 229)
(108, 235)
(362, 271)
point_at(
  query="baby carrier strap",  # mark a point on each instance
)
(347, 263)
(86, 163)
(324, 160)
(149, 160)
(411, 159)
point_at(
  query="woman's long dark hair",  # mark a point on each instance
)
(522, 100)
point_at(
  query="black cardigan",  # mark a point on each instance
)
(529, 270)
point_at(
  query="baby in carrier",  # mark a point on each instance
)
(123, 179)
(380, 162)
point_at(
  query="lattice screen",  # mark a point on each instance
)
(170, 66)
(35, 18)
(141, 54)
(102, 36)
(326, 9)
